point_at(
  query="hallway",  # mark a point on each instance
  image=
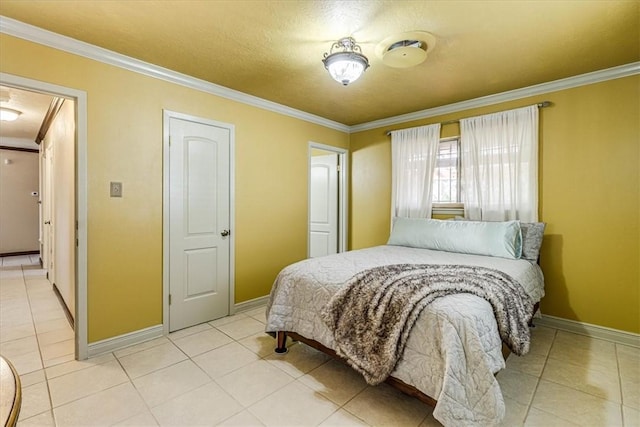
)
(35, 331)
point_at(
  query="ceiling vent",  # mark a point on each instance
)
(405, 50)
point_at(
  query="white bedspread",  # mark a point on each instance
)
(453, 350)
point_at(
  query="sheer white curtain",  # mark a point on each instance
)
(500, 165)
(414, 153)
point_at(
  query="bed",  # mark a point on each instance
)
(453, 350)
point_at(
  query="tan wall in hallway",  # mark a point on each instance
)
(19, 215)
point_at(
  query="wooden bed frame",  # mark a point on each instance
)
(281, 338)
(281, 348)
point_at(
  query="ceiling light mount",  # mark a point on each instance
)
(347, 65)
(405, 50)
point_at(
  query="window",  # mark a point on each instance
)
(488, 173)
(446, 179)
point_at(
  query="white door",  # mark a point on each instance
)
(323, 206)
(198, 222)
(48, 245)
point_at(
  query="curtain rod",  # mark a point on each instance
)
(542, 104)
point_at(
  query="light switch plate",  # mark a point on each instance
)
(115, 189)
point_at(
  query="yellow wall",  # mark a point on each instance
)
(589, 193)
(125, 144)
(589, 198)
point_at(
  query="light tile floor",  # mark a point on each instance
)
(225, 373)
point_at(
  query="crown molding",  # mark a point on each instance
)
(18, 142)
(57, 41)
(539, 89)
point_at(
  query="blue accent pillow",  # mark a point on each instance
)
(499, 239)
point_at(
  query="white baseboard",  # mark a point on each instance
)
(153, 332)
(593, 331)
(250, 304)
(125, 340)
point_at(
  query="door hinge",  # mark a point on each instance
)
(338, 168)
(169, 299)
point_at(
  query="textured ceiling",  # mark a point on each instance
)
(33, 107)
(273, 49)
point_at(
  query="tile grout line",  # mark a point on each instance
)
(96, 392)
(136, 389)
(615, 349)
(539, 379)
(295, 380)
(362, 391)
(35, 332)
(576, 365)
(339, 360)
(24, 283)
(211, 380)
(339, 407)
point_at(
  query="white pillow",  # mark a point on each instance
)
(499, 239)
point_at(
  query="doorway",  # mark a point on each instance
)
(57, 140)
(327, 218)
(198, 232)
(77, 192)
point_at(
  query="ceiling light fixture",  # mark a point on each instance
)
(8, 114)
(345, 66)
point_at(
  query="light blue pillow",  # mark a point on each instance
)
(499, 239)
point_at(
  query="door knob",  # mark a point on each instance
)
(225, 233)
(47, 222)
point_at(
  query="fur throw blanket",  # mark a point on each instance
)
(372, 315)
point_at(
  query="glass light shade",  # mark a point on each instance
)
(9, 115)
(346, 67)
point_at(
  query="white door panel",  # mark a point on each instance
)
(201, 186)
(200, 273)
(319, 244)
(323, 206)
(198, 214)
